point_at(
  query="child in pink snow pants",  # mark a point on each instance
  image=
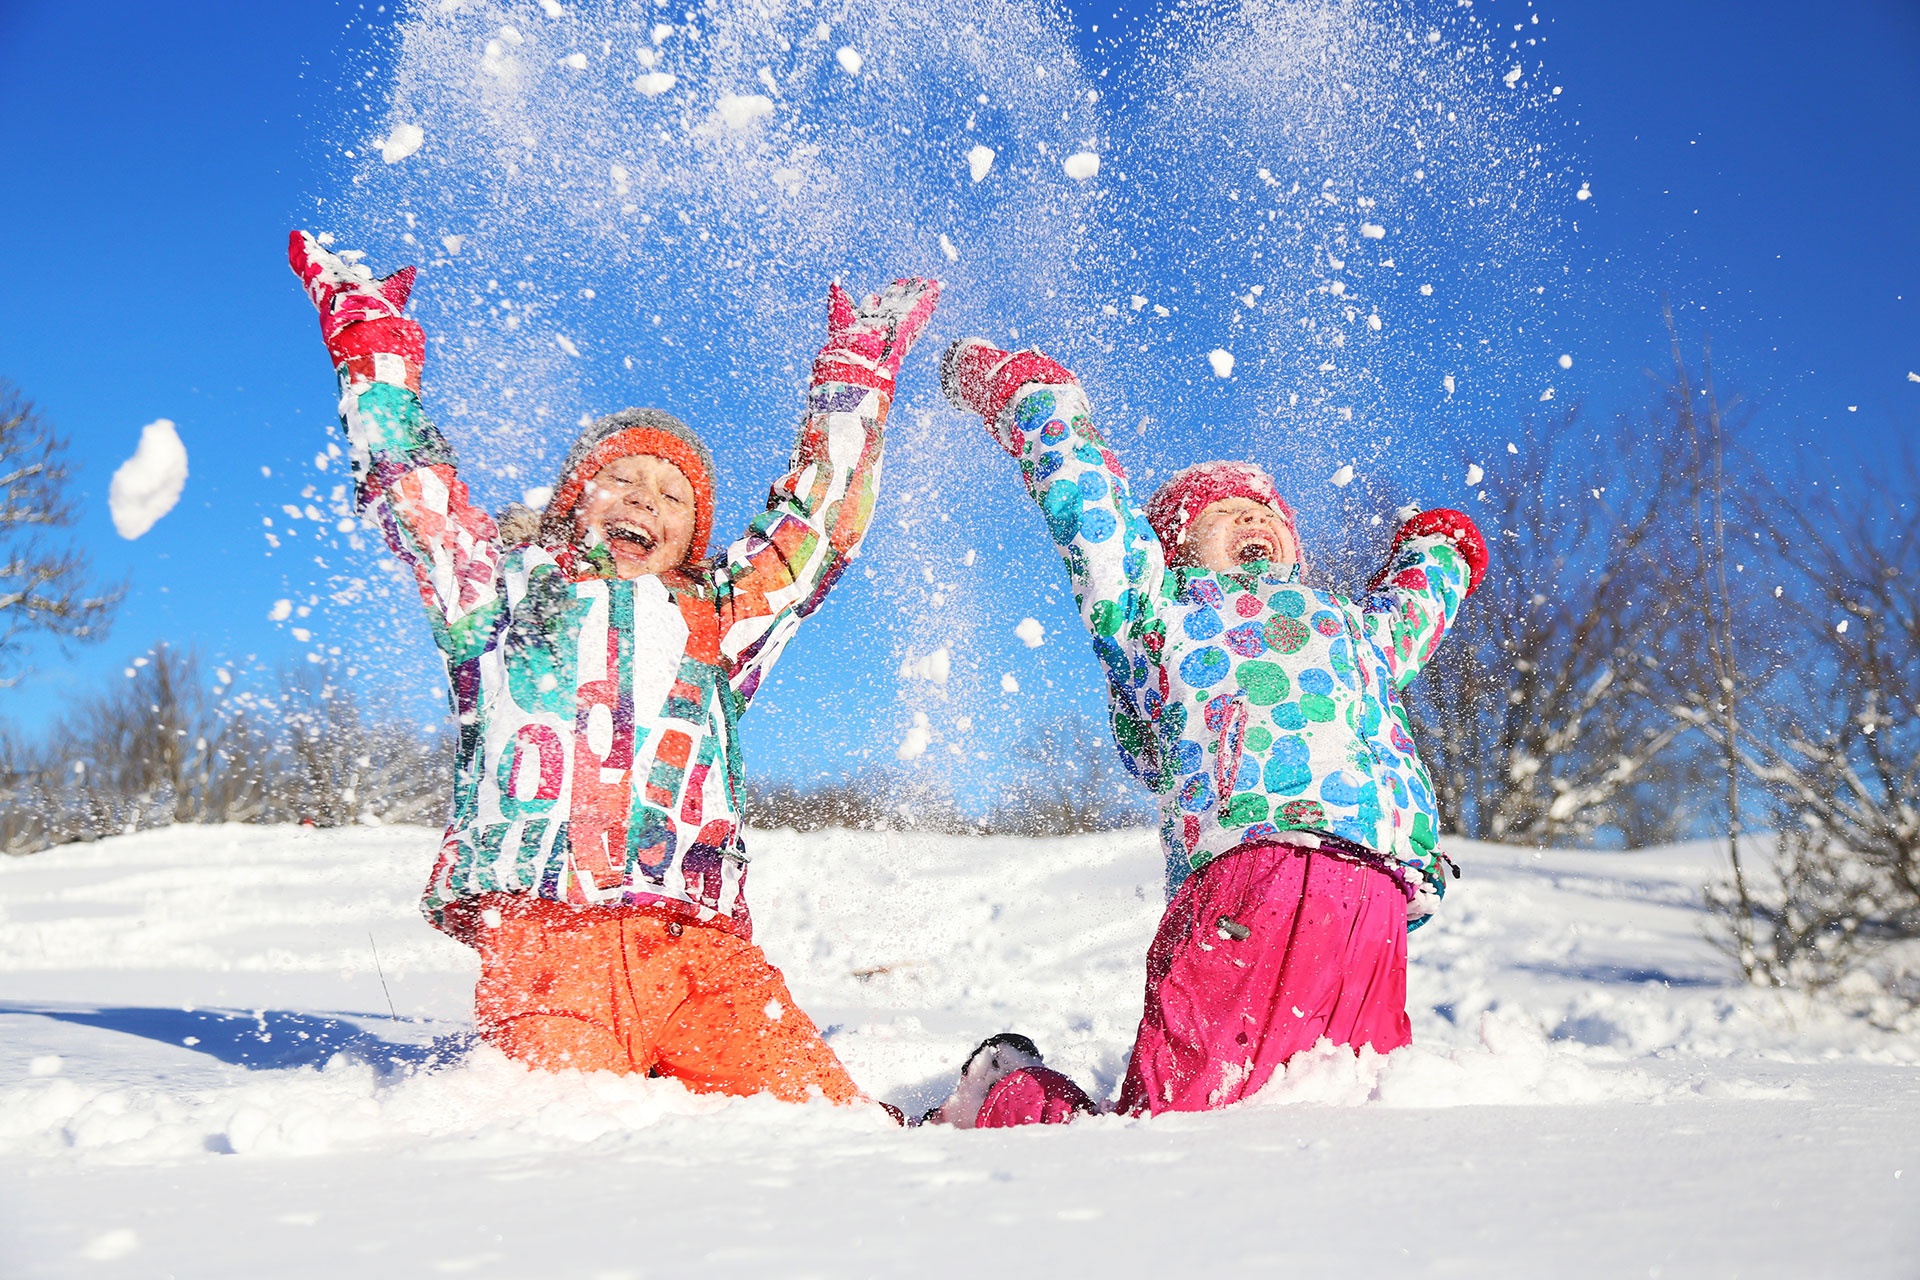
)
(1298, 822)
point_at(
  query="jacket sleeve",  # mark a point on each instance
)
(1436, 562)
(793, 552)
(1112, 556)
(405, 480)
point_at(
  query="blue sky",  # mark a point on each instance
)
(1755, 161)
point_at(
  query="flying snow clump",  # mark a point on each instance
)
(979, 160)
(919, 738)
(1031, 633)
(1474, 474)
(148, 484)
(1341, 478)
(655, 83)
(1081, 165)
(738, 110)
(935, 668)
(1222, 362)
(402, 142)
(849, 60)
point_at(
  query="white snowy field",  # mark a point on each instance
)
(199, 1076)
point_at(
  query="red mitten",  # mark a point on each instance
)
(866, 344)
(361, 318)
(979, 377)
(1456, 527)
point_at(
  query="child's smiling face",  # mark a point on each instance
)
(1229, 534)
(642, 508)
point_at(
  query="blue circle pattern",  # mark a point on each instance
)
(1201, 624)
(1204, 668)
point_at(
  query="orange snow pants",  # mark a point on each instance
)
(628, 990)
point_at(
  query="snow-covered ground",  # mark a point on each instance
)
(199, 1076)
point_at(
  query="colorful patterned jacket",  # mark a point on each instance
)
(599, 757)
(1251, 704)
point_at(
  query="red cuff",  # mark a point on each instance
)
(1456, 527)
(1023, 369)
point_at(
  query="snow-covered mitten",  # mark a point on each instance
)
(867, 343)
(1430, 886)
(1456, 527)
(996, 1057)
(362, 319)
(981, 378)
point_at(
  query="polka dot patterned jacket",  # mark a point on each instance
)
(1251, 703)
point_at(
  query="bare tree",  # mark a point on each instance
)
(1535, 716)
(1838, 746)
(161, 748)
(44, 586)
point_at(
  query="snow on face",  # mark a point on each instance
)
(148, 484)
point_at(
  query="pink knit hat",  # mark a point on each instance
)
(1191, 491)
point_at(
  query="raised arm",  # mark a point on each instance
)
(793, 552)
(403, 469)
(1037, 412)
(1436, 562)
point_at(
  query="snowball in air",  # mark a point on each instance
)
(1373, 231)
(655, 83)
(1583, 193)
(1081, 165)
(566, 345)
(453, 244)
(282, 610)
(1474, 474)
(946, 247)
(577, 61)
(849, 60)
(402, 142)
(979, 160)
(1426, 291)
(148, 484)
(1447, 382)
(1341, 478)
(1222, 362)
(1031, 633)
(1566, 362)
(1008, 684)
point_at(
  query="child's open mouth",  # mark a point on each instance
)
(632, 533)
(1257, 546)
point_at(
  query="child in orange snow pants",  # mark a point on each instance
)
(628, 989)
(599, 661)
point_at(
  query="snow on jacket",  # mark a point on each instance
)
(599, 757)
(1251, 704)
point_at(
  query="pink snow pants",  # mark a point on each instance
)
(1262, 952)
